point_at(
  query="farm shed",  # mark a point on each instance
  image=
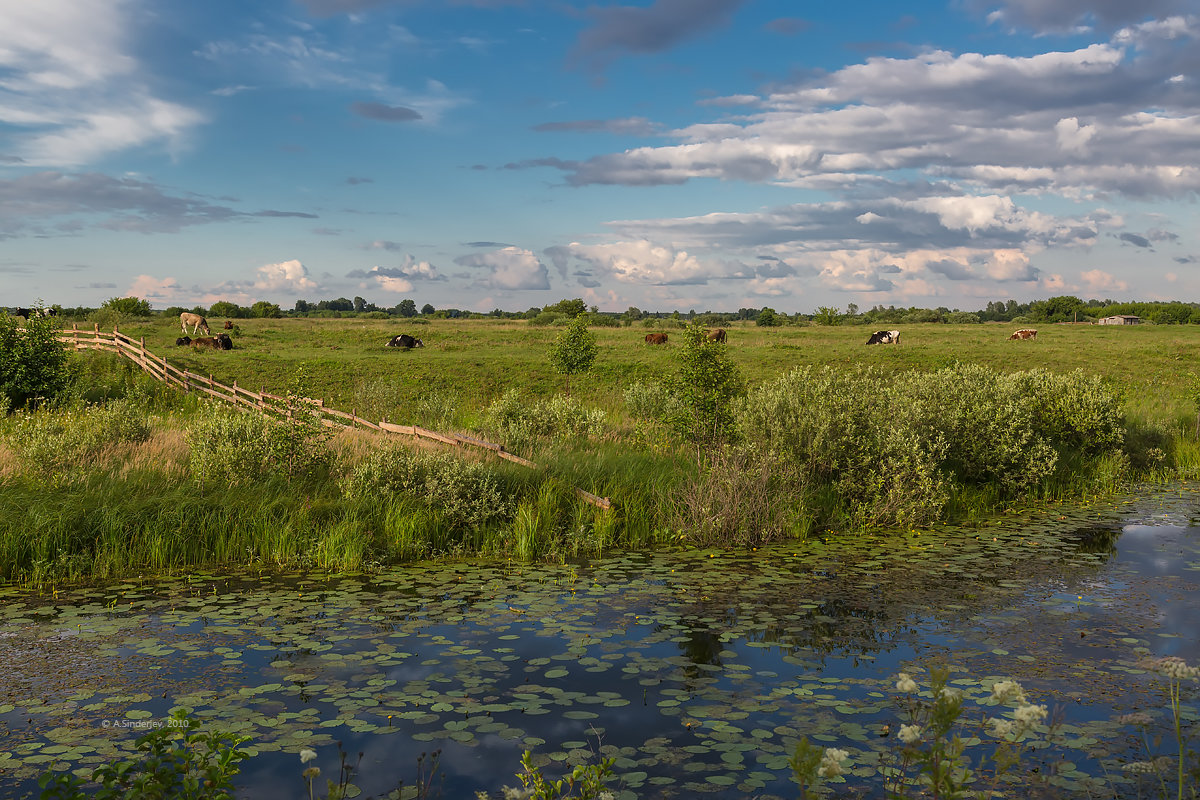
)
(1120, 319)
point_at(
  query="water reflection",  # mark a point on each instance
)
(698, 671)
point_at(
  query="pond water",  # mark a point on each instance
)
(697, 671)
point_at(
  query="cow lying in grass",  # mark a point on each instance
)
(656, 338)
(405, 341)
(219, 342)
(183, 341)
(1024, 333)
(884, 337)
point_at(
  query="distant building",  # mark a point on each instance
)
(1120, 319)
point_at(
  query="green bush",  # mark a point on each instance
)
(465, 493)
(518, 421)
(234, 447)
(892, 448)
(546, 318)
(70, 443)
(33, 362)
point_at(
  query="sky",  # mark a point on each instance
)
(663, 154)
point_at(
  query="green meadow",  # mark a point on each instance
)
(813, 433)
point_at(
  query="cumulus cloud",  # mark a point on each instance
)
(1106, 117)
(640, 262)
(399, 279)
(73, 92)
(1098, 281)
(1071, 15)
(509, 268)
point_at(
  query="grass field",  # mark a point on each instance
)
(473, 362)
(927, 436)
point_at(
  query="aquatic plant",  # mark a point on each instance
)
(175, 763)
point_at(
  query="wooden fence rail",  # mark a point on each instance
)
(158, 368)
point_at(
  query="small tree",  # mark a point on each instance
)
(709, 384)
(574, 350)
(407, 308)
(265, 310)
(767, 318)
(427, 309)
(128, 306)
(827, 315)
(224, 308)
(33, 362)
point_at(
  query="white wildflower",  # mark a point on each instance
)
(1175, 668)
(307, 755)
(831, 763)
(1003, 691)
(1141, 767)
(909, 734)
(904, 683)
(606, 796)
(951, 694)
(1001, 728)
(1030, 714)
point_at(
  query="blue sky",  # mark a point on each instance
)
(665, 154)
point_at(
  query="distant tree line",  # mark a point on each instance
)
(1064, 308)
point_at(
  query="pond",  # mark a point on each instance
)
(697, 671)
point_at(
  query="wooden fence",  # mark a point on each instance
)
(158, 367)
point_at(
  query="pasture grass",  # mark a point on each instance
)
(135, 506)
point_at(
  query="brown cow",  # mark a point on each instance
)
(656, 338)
(1024, 333)
(219, 342)
(715, 335)
(228, 324)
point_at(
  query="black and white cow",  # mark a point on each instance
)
(405, 341)
(884, 337)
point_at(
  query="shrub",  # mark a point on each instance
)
(466, 493)
(33, 362)
(128, 306)
(66, 443)
(708, 384)
(574, 350)
(518, 421)
(546, 318)
(235, 447)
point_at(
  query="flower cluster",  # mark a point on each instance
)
(909, 734)
(1174, 668)
(831, 763)
(905, 683)
(1003, 691)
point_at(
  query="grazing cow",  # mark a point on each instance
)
(228, 324)
(656, 338)
(405, 341)
(195, 320)
(1024, 333)
(884, 337)
(219, 342)
(183, 341)
(26, 313)
(715, 335)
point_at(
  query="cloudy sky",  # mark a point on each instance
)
(667, 154)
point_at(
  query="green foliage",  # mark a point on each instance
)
(827, 315)
(518, 421)
(62, 446)
(33, 362)
(568, 308)
(708, 384)
(545, 318)
(585, 781)
(128, 306)
(265, 310)
(574, 350)
(962, 318)
(175, 764)
(232, 447)
(466, 493)
(223, 308)
(767, 318)
(892, 447)
(406, 308)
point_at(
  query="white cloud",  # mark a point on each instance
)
(509, 268)
(286, 276)
(70, 89)
(156, 291)
(641, 262)
(1099, 281)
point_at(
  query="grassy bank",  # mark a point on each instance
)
(125, 476)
